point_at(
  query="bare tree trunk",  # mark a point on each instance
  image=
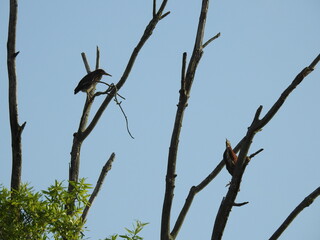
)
(16, 129)
(187, 77)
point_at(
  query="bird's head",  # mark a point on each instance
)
(102, 72)
(228, 144)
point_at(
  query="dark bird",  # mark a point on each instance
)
(88, 81)
(230, 158)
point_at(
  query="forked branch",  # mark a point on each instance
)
(257, 125)
(187, 77)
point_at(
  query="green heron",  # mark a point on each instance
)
(230, 158)
(88, 81)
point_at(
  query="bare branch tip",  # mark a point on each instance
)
(256, 153)
(258, 112)
(16, 54)
(154, 8)
(314, 62)
(164, 15)
(240, 204)
(22, 126)
(211, 39)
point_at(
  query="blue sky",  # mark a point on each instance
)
(263, 46)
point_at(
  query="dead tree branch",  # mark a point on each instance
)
(106, 168)
(147, 33)
(16, 129)
(83, 130)
(305, 203)
(256, 126)
(187, 78)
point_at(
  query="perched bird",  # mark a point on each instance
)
(88, 81)
(230, 158)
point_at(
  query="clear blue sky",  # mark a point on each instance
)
(263, 46)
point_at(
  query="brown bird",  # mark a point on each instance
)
(230, 158)
(88, 81)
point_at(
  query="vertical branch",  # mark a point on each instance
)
(77, 140)
(154, 8)
(186, 83)
(97, 58)
(16, 129)
(85, 61)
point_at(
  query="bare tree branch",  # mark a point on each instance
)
(186, 84)
(85, 61)
(16, 129)
(84, 131)
(211, 39)
(147, 33)
(257, 124)
(97, 58)
(106, 168)
(154, 8)
(305, 203)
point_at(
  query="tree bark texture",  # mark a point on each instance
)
(16, 129)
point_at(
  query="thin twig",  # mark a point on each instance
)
(108, 90)
(183, 73)
(240, 204)
(211, 39)
(254, 154)
(97, 58)
(124, 114)
(305, 203)
(106, 168)
(164, 15)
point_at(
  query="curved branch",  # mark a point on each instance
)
(305, 203)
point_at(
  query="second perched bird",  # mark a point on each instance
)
(87, 82)
(230, 157)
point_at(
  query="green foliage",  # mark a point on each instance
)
(131, 234)
(26, 214)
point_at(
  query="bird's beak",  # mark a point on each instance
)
(108, 74)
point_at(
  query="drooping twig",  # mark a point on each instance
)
(16, 129)
(257, 124)
(97, 188)
(305, 203)
(124, 114)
